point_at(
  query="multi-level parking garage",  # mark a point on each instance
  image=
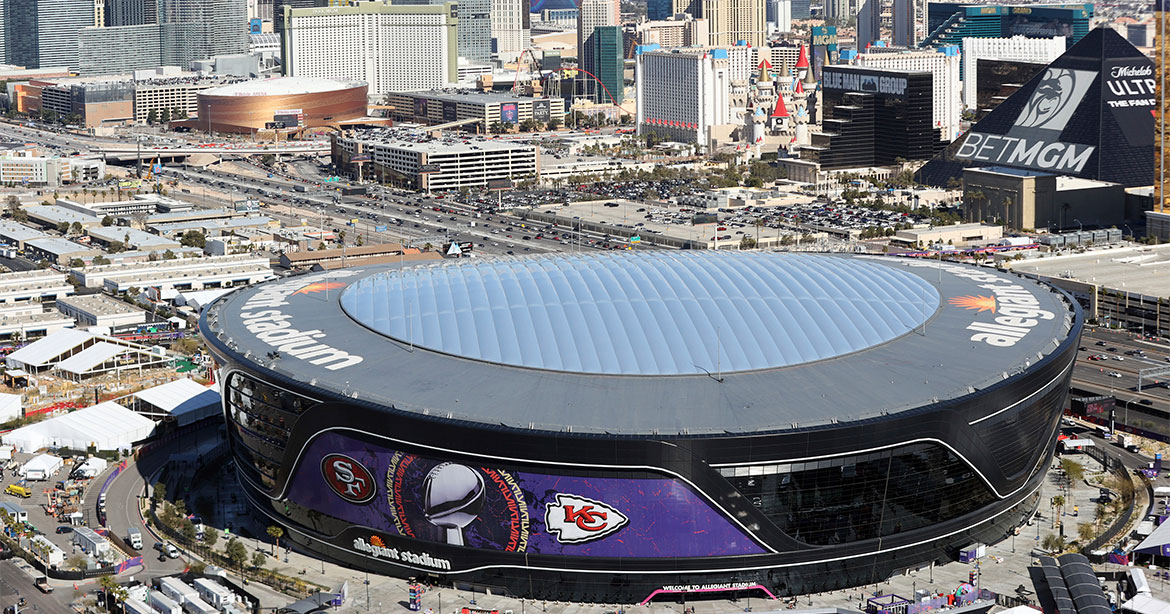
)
(602, 426)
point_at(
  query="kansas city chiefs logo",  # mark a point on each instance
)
(574, 519)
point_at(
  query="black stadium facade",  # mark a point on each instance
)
(606, 427)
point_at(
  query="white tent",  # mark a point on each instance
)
(41, 467)
(183, 399)
(48, 351)
(10, 407)
(107, 426)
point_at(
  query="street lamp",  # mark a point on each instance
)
(1080, 226)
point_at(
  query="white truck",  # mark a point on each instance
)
(134, 538)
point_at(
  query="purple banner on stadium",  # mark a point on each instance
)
(486, 507)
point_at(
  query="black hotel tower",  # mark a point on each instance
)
(874, 117)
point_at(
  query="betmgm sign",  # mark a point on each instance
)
(1033, 141)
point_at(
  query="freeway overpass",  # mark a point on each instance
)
(118, 152)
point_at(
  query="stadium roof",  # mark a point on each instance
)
(661, 313)
(697, 342)
(279, 86)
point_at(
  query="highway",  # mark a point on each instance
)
(1094, 375)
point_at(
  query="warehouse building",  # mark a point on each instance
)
(33, 286)
(96, 276)
(101, 310)
(58, 250)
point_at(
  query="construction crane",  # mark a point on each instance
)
(150, 170)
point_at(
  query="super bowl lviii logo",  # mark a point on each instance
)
(348, 478)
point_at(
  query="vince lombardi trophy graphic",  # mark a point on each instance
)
(452, 498)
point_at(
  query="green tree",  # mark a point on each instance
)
(107, 221)
(169, 255)
(76, 228)
(187, 530)
(554, 123)
(1053, 542)
(197, 567)
(193, 238)
(152, 117)
(497, 128)
(258, 559)
(210, 536)
(275, 532)
(111, 590)
(165, 116)
(76, 263)
(529, 125)
(237, 553)
(63, 227)
(1086, 532)
(100, 260)
(159, 492)
(1074, 470)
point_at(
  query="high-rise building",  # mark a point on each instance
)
(278, 11)
(150, 33)
(392, 48)
(905, 23)
(735, 20)
(45, 32)
(509, 26)
(609, 63)
(1016, 49)
(670, 33)
(948, 23)
(592, 14)
(1158, 220)
(839, 12)
(779, 15)
(800, 9)
(869, 23)
(682, 93)
(130, 12)
(873, 117)
(477, 23)
(657, 10)
(942, 64)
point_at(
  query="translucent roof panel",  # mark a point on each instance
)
(645, 313)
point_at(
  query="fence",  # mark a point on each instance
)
(938, 603)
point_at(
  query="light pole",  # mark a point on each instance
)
(1080, 226)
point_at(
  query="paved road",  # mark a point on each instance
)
(15, 584)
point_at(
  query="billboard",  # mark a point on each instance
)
(823, 45)
(450, 111)
(392, 493)
(420, 107)
(288, 118)
(542, 110)
(887, 84)
(508, 113)
(1097, 97)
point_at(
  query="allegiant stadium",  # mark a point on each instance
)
(607, 427)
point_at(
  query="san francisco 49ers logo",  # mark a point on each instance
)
(574, 519)
(348, 478)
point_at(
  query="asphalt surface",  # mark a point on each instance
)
(1093, 376)
(15, 583)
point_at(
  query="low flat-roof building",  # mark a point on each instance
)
(189, 274)
(1122, 286)
(132, 238)
(213, 228)
(29, 320)
(139, 204)
(307, 259)
(192, 215)
(955, 234)
(101, 310)
(15, 233)
(410, 255)
(424, 163)
(1033, 200)
(95, 276)
(58, 250)
(33, 286)
(52, 216)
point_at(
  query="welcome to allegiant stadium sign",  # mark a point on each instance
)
(1034, 140)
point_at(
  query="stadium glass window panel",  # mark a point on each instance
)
(847, 499)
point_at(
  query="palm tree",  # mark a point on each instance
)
(275, 532)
